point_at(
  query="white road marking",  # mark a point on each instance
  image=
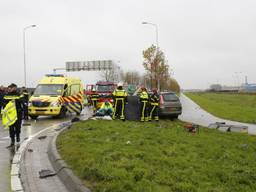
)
(15, 179)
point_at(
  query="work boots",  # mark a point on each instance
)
(12, 143)
(18, 138)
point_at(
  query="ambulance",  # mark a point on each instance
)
(55, 95)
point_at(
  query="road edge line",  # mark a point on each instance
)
(16, 184)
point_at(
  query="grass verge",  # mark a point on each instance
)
(116, 156)
(236, 107)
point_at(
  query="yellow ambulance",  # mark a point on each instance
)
(55, 95)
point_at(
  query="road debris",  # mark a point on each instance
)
(46, 173)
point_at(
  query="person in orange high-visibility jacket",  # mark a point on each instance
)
(120, 100)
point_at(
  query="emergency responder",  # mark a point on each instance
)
(94, 98)
(25, 95)
(154, 105)
(120, 100)
(105, 109)
(143, 98)
(12, 112)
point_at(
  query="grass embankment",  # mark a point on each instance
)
(113, 156)
(237, 107)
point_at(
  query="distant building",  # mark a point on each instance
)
(248, 88)
(223, 88)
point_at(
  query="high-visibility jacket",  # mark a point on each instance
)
(143, 96)
(154, 99)
(94, 97)
(120, 94)
(9, 113)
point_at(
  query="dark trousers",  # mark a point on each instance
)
(25, 113)
(154, 112)
(14, 130)
(119, 109)
(144, 111)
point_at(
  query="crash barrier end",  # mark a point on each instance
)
(222, 126)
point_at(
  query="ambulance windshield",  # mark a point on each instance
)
(51, 89)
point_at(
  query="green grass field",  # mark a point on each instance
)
(237, 107)
(116, 156)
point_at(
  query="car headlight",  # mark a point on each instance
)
(55, 104)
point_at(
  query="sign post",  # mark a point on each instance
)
(99, 65)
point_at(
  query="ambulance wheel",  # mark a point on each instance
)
(34, 117)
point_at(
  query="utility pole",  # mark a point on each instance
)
(157, 49)
(24, 53)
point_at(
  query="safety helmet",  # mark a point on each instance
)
(120, 84)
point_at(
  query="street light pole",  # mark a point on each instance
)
(24, 53)
(157, 48)
(156, 28)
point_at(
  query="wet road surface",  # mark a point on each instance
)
(191, 112)
(28, 129)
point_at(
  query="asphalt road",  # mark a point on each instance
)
(29, 128)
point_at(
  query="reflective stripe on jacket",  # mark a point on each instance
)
(119, 94)
(94, 96)
(143, 96)
(19, 101)
(9, 114)
(154, 99)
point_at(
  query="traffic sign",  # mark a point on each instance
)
(98, 65)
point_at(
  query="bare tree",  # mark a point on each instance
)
(112, 75)
(131, 77)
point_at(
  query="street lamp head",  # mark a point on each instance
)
(33, 25)
(144, 22)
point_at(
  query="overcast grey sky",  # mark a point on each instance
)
(205, 41)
